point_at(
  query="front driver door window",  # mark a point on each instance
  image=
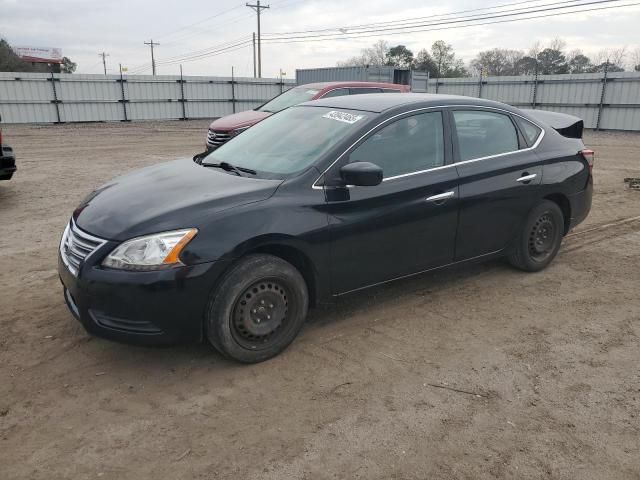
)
(408, 145)
(394, 229)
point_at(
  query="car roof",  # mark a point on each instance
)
(379, 102)
(324, 85)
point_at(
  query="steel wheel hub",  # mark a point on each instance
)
(542, 236)
(260, 313)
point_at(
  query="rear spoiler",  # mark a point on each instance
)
(566, 125)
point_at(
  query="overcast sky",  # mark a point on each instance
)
(83, 28)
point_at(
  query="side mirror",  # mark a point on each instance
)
(364, 174)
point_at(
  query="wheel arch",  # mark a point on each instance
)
(291, 250)
(565, 206)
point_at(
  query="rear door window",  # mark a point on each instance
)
(338, 92)
(483, 134)
(359, 90)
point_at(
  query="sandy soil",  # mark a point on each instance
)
(476, 373)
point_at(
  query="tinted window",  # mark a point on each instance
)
(529, 130)
(359, 90)
(407, 145)
(289, 141)
(481, 134)
(390, 90)
(288, 99)
(338, 92)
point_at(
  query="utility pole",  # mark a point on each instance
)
(153, 60)
(254, 54)
(258, 8)
(104, 60)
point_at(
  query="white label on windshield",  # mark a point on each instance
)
(312, 92)
(345, 117)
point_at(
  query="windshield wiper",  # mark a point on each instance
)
(231, 168)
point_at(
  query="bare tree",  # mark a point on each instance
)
(635, 59)
(374, 56)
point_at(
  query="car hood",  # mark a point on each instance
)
(237, 120)
(167, 196)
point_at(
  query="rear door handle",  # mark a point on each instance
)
(527, 178)
(440, 197)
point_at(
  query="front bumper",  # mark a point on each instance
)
(145, 308)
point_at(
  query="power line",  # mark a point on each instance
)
(222, 26)
(258, 8)
(446, 25)
(352, 27)
(208, 54)
(219, 14)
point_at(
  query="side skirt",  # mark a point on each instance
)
(484, 256)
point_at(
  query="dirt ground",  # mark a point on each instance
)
(475, 373)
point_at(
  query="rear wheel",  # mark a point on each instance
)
(539, 240)
(258, 309)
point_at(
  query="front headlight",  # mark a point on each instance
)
(150, 252)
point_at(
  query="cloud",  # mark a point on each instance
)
(83, 28)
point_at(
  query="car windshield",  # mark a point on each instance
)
(289, 141)
(289, 99)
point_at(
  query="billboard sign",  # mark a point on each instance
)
(39, 54)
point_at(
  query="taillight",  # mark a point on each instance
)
(589, 156)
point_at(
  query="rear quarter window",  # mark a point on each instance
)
(530, 131)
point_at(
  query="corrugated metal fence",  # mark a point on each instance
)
(605, 101)
(56, 98)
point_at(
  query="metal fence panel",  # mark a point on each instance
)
(47, 98)
(606, 103)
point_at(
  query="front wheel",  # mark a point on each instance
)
(258, 309)
(539, 240)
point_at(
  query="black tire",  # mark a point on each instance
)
(539, 240)
(6, 176)
(258, 309)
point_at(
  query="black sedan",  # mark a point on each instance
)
(7, 160)
(317, 201)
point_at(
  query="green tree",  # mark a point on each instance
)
(10, 62)
(578, 62)
(400, 56)
(552, 61)
(447, 65)
(424, 63)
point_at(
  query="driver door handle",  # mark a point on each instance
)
(440, 197)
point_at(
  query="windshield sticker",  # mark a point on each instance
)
(345, 117)
(312, 92)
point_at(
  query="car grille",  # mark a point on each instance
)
(76, 246)
(215, 139)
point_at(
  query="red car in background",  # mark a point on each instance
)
(223, 129)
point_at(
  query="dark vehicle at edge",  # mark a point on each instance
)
(7, 159)
(317, 201)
